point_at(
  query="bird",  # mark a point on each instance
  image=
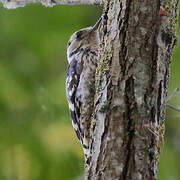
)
(82, 56)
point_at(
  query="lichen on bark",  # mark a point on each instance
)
(131, 85)
(132, 79)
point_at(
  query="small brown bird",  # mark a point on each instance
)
(82, 55)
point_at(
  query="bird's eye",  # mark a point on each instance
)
(79, 35)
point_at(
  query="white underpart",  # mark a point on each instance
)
(71, 91)
(71, 106)
(86, 151)
(74, 126)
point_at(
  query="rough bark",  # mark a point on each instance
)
(132, 78)
(137, 39)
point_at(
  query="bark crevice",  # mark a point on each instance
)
(137, 40)
(134, 68)
(129, 100)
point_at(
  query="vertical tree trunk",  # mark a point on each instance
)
(131, 82)
(137, 38)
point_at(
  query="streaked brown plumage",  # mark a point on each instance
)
(82, 55)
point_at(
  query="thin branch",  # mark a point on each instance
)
(94, 2)
(173, 107)
(174, 93)
(12, 4)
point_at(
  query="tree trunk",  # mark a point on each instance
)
(137, 38)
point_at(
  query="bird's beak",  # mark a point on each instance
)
(96, 26)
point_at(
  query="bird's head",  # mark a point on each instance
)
(83, 38)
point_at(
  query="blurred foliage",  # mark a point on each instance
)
(37, 141)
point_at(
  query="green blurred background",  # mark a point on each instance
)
(37, 141)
